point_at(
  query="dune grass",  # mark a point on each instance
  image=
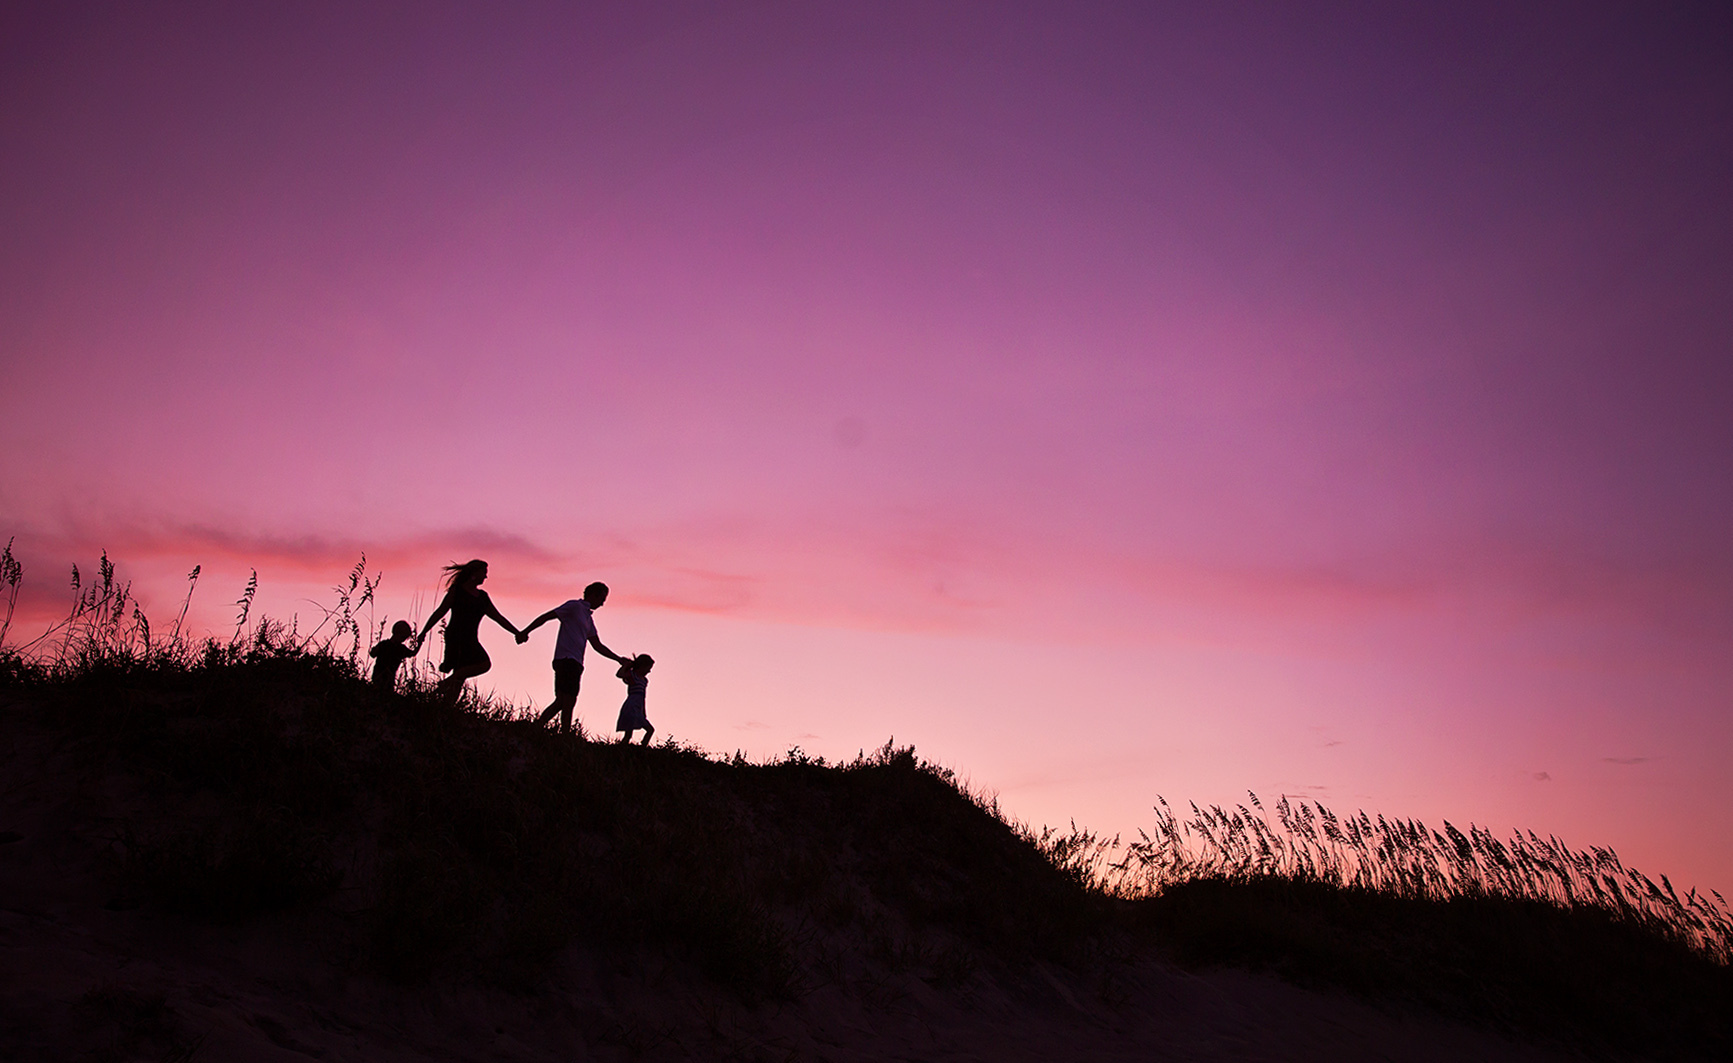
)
(469, 840)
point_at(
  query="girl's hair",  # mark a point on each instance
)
(642, 663)
(457, 575)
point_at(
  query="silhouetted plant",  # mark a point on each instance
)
(11, 575)
(1399, 858)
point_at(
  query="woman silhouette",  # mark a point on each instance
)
(467, 603)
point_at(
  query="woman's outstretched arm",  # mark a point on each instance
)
(444, 607)
(498, 618)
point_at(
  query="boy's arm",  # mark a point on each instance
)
(605, 651)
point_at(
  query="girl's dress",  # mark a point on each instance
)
(632, 716)
(463, 631)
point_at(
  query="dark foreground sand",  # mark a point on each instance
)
(88, 975)
(83, 983)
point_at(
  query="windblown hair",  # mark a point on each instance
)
(457, 575)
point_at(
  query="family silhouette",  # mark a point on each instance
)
(466, 604)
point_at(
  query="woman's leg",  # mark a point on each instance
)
(451, 687)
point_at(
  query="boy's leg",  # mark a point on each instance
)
(568, 674)
(562, 707)
(553, 708)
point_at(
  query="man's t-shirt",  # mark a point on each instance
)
(576, 630)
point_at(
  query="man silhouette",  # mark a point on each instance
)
(577, 629)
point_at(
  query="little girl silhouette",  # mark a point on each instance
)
(636, 672)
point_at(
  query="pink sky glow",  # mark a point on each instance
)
(1110, 400)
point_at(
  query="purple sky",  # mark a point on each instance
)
(1110, 400)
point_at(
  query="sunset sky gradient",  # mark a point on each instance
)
(1110, 400)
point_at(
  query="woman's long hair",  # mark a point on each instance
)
(457, 575)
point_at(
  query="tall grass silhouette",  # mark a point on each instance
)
(106, 625)
(1404, 858)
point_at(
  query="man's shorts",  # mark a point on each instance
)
(567, 672)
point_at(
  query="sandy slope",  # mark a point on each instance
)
(79, 982)
(84, 988)
(88, 975)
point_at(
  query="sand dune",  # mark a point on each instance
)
(86, 973)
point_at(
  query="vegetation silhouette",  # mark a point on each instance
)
(462, 837)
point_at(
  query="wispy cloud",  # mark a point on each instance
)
(914, 570)
(310, 552)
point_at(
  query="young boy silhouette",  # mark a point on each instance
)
(389, 653)
(577, 629)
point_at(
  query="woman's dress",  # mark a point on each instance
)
(463, 631)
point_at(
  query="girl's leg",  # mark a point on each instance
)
(649, 729)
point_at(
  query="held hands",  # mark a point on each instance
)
(522, 637)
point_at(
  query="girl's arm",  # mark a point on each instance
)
(605, 651)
